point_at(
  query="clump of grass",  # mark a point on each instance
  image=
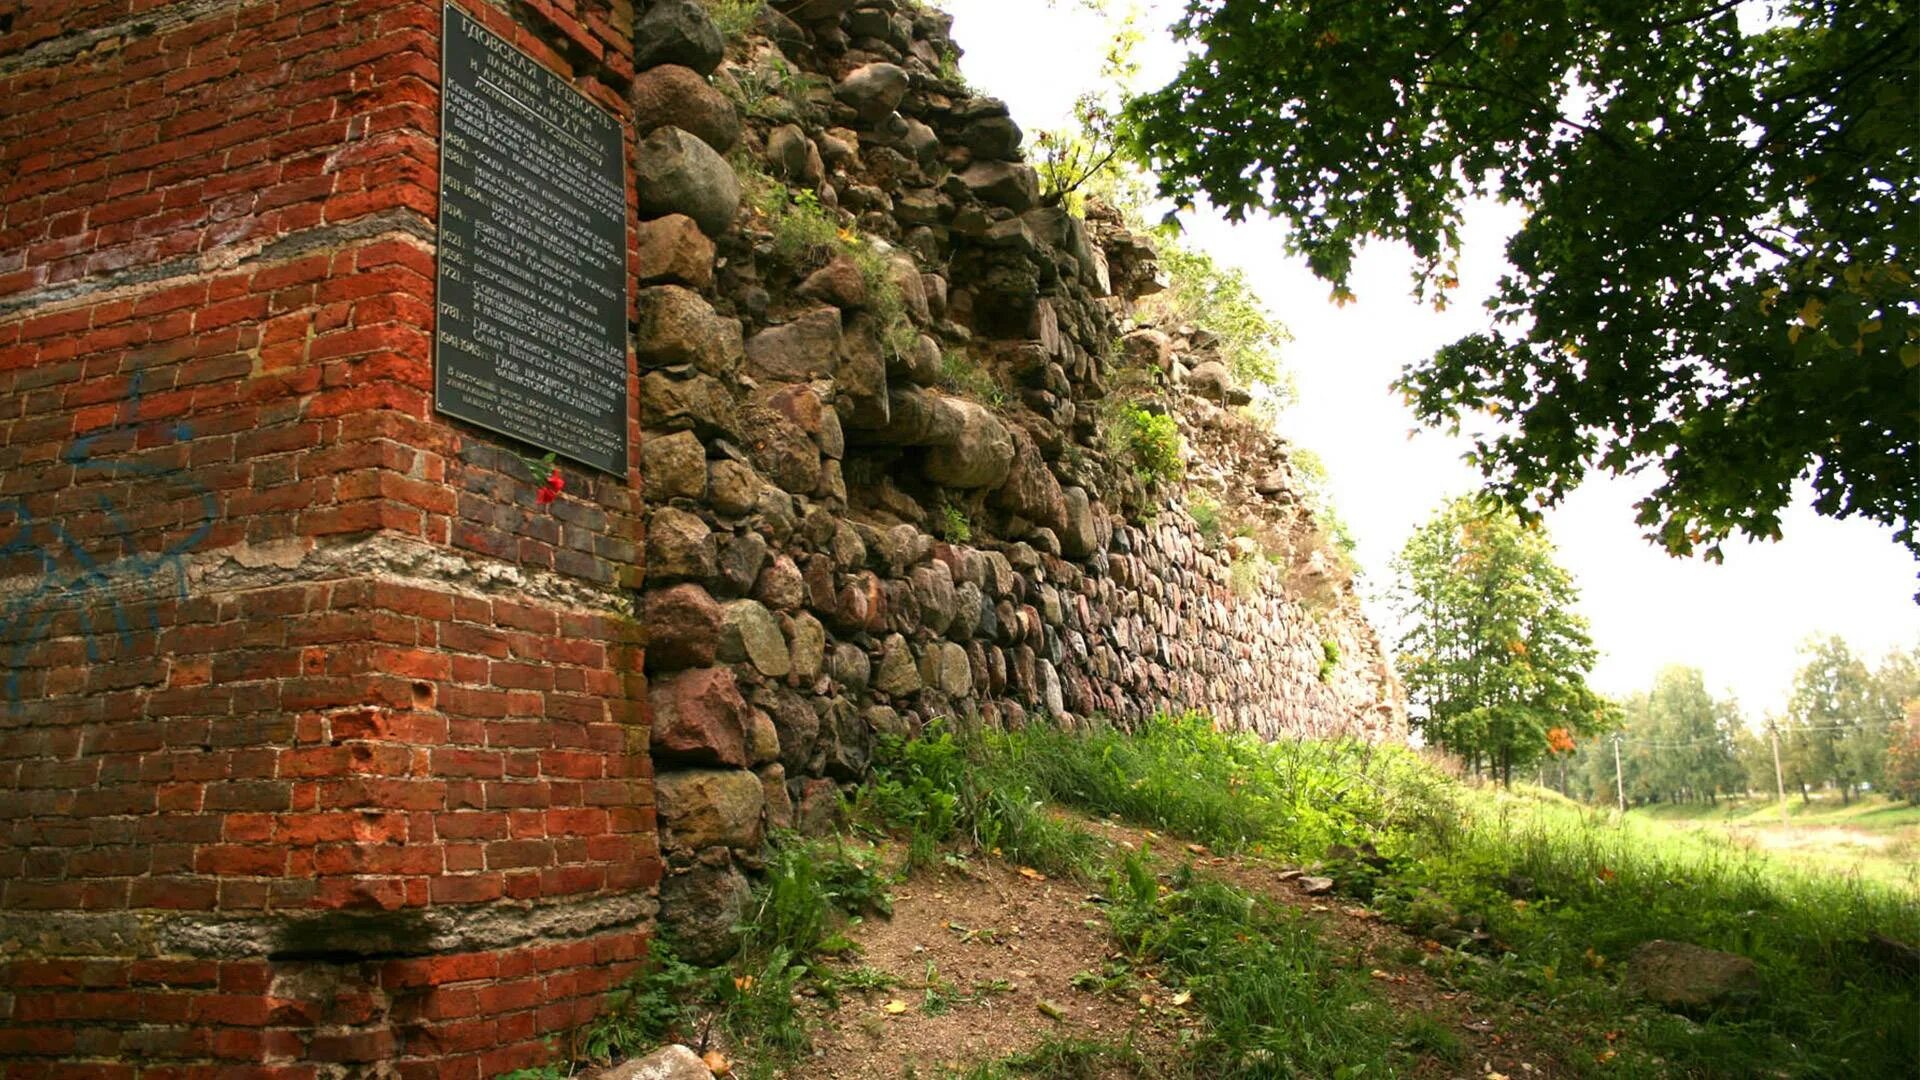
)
(1205, 513)
(810, 890)
(1245, 574)
(1276, 1002)
(954, 526)
(1329, 659)
(938, 791)
(733, 18)
(962, 374)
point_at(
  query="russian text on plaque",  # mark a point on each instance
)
(531, 321)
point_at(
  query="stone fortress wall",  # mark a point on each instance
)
(325, 749)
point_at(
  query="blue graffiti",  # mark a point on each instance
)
(71, 577)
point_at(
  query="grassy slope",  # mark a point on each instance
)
(1525, 896)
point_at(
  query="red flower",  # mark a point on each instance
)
(550, 490)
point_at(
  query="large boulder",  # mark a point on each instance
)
(749, 632)
(873, 90)
(680, 547)
(677, 32)
(699, 716)
(675, 326)
(1678, 975)
(679, 96)
(782, 450)
(675, 172)
(674, 466)
(803, 348)
(704, 808)
(1080, 530)
(861, 377)
(992, 138)
(683, 628)
(699, 404)
(981, 456)
(700, 909)
(1031, 490)
(1001, 183)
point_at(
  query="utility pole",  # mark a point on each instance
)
(1779, 778)
(1619, 784)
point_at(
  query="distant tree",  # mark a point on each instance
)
(1714, 277)
(1832, 719)
(1903, 755)
(1496, 655)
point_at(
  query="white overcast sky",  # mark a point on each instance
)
(1740, 622)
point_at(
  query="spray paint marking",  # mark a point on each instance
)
(70, 575)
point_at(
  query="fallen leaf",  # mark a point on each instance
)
(1183, 997)
(716, 1063)
(1049, 1010)
(894, 1007)
(1031, 874)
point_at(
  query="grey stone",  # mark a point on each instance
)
(873, 90)
(933, 588)
(733, 487)
(679, 547)
(670, 94)
(674, 466)
(798, 727)
(773, 780)
(677, 32)
(992, 138)
(1015, 187)
(809, 647)
(749, 632)
(1678, 975)
(739, 563)
(898, 675)
(1079, 531)
(1211, 380)
(981, 456)
(861, 376)
(839, 283)
(700, 909)
(1031, 489)
(699, 404)
(675, 172)
(849, 741)
(806, 347)
(851, 667)
(792, 156)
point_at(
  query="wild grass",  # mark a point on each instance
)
(1556, 896)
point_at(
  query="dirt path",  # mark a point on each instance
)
(979, 961)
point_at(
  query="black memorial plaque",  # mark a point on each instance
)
(530, 334)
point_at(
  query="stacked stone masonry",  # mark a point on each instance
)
(326, 749)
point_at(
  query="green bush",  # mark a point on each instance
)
(1151, 442)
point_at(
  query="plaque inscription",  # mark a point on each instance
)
(530, 331)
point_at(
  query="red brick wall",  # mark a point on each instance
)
(296, 679)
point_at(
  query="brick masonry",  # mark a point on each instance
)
(321, 744)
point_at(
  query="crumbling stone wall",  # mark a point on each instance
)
(883, 485)
(326, 749)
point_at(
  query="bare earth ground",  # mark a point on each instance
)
(984, 954)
